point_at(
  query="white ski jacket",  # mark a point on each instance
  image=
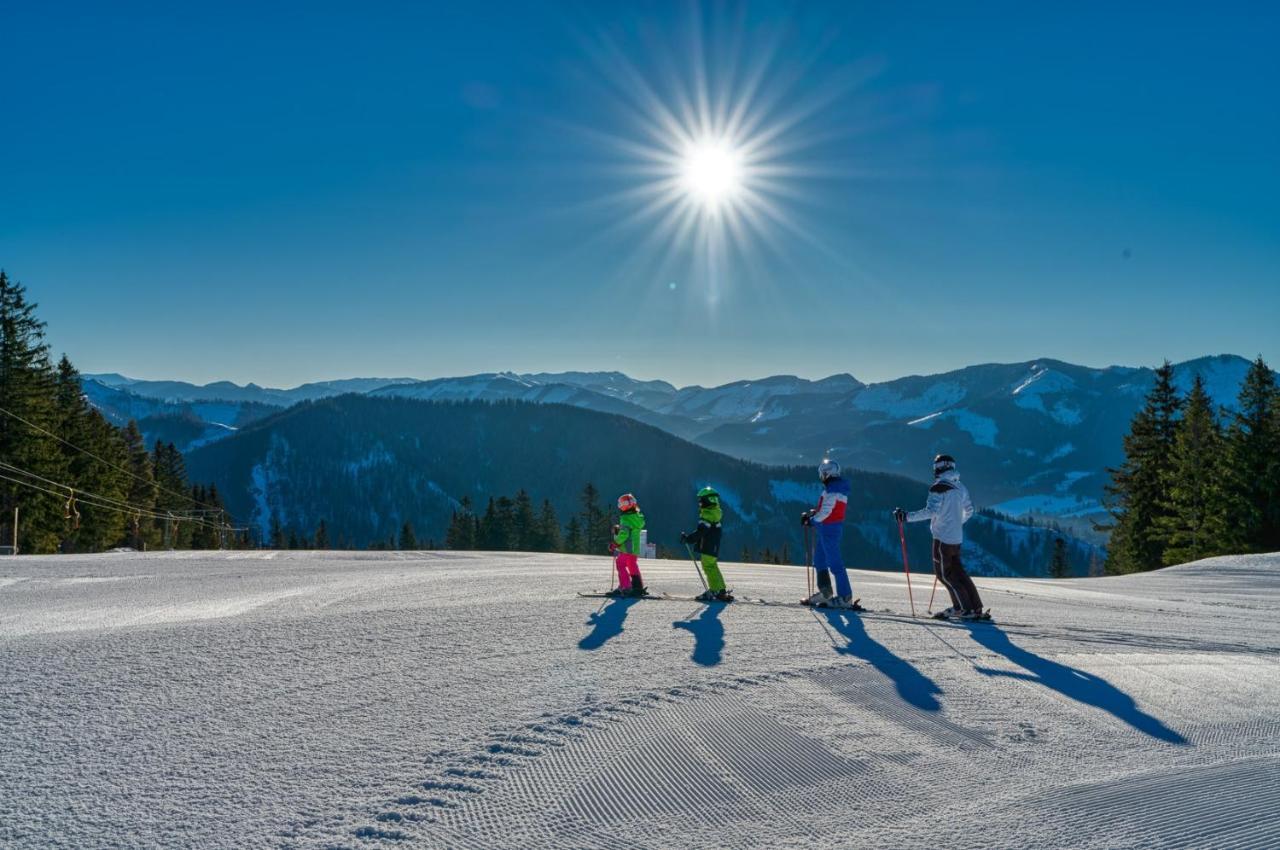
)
(947, 510)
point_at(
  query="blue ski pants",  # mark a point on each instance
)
(826, 555)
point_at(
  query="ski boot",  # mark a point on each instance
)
(946, 614)
(706, 596)
(638, 590)
(818, 600)
(724, 596)
(977, 615)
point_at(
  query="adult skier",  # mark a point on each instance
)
(827, 521)
(705, 540)
(948, 509)
(626, 546)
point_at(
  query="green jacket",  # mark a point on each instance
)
(628, 536)
(712, 513)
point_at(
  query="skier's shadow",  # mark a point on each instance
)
(708, 635)
(914, 687)
(1070, 682)
(606, 623)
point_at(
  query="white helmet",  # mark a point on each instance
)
(828, 469)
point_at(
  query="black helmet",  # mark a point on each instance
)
(943, 463)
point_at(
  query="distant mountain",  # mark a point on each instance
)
(367, 464)
(185, 424)
(1033, 438)
(180, 391)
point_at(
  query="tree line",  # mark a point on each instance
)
(1197, 481)
(70, 481)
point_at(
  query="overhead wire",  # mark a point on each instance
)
(119, 468)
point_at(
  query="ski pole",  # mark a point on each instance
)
(697, 568)
(902, 535)
(808, 559)
(932, 592)
(613, 576)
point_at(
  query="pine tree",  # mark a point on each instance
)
(595, 523)
(1251, 465)
(461, 534)
(1193, 519)
(294, 541)
(408, 540)
(525, 524)
(141, 493)
(1138, 491)
(276, 540)
(28, 402)
(1059, 567)
(171, 485)
(573, 541)
(547, 533)
(746, 554)
(322, 536)
(89, 527)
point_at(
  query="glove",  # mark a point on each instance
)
(613, 548)
(616, 529)
(684, 537)
(899, 514)
(806, 518)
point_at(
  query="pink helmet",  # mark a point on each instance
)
(627, 502)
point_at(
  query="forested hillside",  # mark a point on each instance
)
(366, 467)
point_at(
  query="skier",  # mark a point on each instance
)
(827, 521)
(948, 509)
(626, 546)
(706, 542)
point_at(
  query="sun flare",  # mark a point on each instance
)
(711, 171)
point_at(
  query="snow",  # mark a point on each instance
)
(1046, 504)
(471, 700)
(881, 398)
(982, 429)
(794, 491)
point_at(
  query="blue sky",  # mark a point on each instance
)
(290, 193)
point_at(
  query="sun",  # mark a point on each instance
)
(711, 172)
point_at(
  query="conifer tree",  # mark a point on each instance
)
(1193, 513)
(547, 535)
(1138, 494)
(525, 524)
(1251, 465)
(322, 536)
(275, 539)
(88, 527)
(141, 491)
(594, 524)
(1058, 567)
(27, 397)
(408, 540)
(573, 541)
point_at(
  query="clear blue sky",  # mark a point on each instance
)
(289, 193)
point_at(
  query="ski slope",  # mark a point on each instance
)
(471, 700)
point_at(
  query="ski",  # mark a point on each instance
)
(776, 603)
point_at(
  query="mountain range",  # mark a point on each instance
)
(367, 464)
(1033, 439)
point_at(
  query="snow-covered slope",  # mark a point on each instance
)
(309, 700)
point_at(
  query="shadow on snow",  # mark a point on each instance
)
(914, 687)
(1070, 682)
(708, 635)
(607, 623)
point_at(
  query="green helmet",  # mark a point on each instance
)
(707, 491)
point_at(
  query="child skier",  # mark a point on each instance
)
(626, 546)
(948, 509)
(827, 521)
(706, 542)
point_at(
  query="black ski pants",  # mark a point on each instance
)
(949, 570)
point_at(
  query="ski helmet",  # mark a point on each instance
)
(943, 463)
(707, 491)
(627, 502)
(828, 469)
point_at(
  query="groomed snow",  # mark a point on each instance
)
(472, 700)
